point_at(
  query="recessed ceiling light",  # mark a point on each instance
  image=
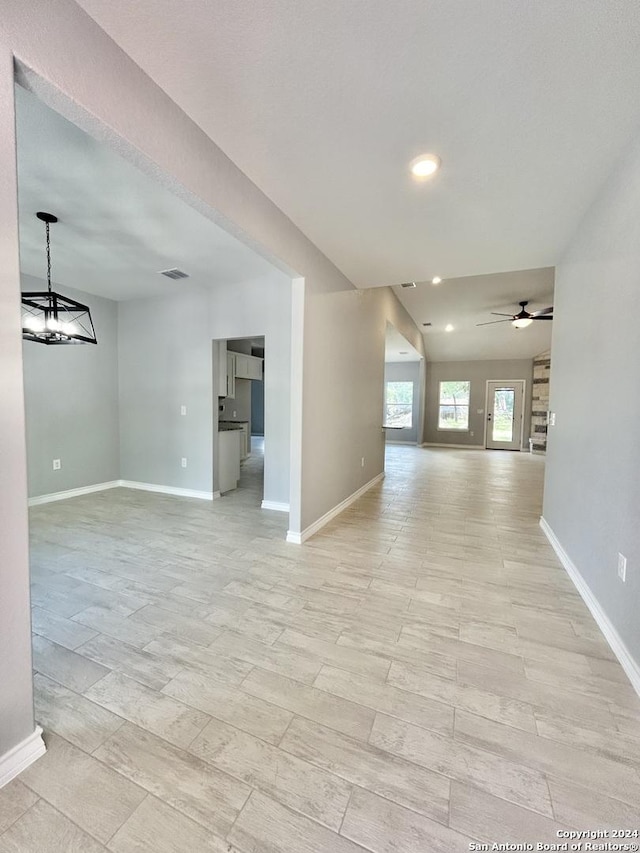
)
(424, 166)
(436, 280)
(448, 328)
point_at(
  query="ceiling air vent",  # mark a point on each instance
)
(426, 324)
(174, 273)
(408, 284)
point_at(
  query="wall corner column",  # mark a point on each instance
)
(20, 739)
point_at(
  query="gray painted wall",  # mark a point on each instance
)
(257, 408)
(71, 398)
(592, 483)
(166, 362)
(342, 392)
(408, 371)
(477, 372)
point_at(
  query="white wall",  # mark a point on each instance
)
(592, 483)
(71, 397)
(165, 348)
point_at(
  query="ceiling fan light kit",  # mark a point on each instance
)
(523, 318)
(50, 318)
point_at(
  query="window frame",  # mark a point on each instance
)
(410, 382)
(442, 405)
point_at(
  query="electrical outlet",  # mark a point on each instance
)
(552, 419)
(183, 410)
(183, 461)
(362, 462)
(234, 414)
(622, 568)
(57, 465)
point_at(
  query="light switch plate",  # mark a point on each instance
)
(622, 568)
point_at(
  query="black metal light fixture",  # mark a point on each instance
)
(50, 318)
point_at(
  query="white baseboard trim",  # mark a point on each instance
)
(457, 446)
(616, 644)
(73, 493)
(275, 505)
(21, 756)
(124, 484)
(299, 538)
(294, 538)
(169, 490)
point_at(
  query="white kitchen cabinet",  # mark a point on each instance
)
(226, 367)
(242, 366)
(255, 368)
(245, 441)
(248, 366)
(220, 366)
(228, 459)
(231, 375)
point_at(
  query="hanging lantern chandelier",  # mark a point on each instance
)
(49, 317)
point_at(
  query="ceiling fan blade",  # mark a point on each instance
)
(543, 317)
(544, 311)
(493, 322)
(498, 314)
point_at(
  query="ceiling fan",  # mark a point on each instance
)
(523, 318)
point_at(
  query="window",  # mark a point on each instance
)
(454, 405)
(398, 405)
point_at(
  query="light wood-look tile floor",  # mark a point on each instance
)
(419, 675)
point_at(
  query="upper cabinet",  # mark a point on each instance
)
(232, 366)
(247, 366)
(231, 374)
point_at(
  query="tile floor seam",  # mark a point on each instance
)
(20, 816)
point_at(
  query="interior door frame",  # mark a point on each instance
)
(486, 409)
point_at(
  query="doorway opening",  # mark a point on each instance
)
(505, 414)
(403, 408)
(238, 422)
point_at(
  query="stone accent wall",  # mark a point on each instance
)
(540, 401)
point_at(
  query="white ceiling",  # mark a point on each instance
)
(118, 228)
(398, 348)
(323, 104)
(464, 302)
